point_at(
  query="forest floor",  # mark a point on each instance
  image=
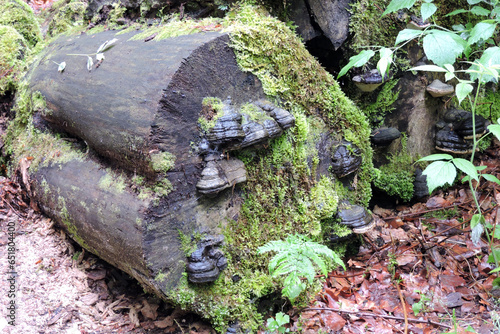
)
(417, 271)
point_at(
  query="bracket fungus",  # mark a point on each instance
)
(384, 136)
(355, 217)
(369, 81)
(207, 261)
(439, 89)
(346, 159)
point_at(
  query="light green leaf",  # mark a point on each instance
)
(449, 67)
(458, 27)
(449, 75)
(407, 34)
(90, 62)
(491, 178)
(462, 89)
(99, 56)
(434, 157)
(427, 10)
(467, 167)
(476, 232)
(385, 61)
(439, 173)
(61, 66)
(443, 47)
(357, 61)
(481, 31)
(494, 270)
(490, 57)
(495, 129)
(106, 45)
(396, 5)
(428, 68)
(491, 259)
(480, 11)
(480, 168)
(473, 2)
(456, 12)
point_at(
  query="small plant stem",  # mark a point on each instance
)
(474, 145)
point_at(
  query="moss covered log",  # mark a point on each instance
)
(101, 145)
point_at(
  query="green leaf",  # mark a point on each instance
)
(467, 167)
(473, 2)
(407, 34)
(491, 259)
(477, 229)
(481, 31)
(495, 270)
(396, 5)
(434, 157)
(443, 47)
(439, 173)
(357, 61)
(491, 178)
(480, 11)
(428, 68)
(427, 10)
(385, 61)
(490, 57)
(462, 89)
(495, 129)
(480, 168)
(456, 12)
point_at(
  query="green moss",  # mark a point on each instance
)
(386, 97)
(162, 162)
(112, 181)
(488, 104)
(253, 113)
(211, 110)
(177, 27)
(368, 26)
(67, 17)
(20, 16)
(397, 177)
(13, 48)
(72, 230)
(160, 277)
(162, 187)
(189, 242)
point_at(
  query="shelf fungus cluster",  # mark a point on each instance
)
(346, 159)
(207, 261)
(355, 217)
(455, 131)
(252, 124)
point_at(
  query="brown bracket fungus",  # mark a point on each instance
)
(207, 261)
(369, 81)
(253, 125)
(449, 141)
(461, 122)
(439, 89)
(346, 159)
(220, 174)
(417, 23)
(355, 217)
(384, 136)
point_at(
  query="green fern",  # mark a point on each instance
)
(298, 257)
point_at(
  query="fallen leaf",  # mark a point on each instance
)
(333, 321)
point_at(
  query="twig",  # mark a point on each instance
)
(366, 314)
(425, 211)
(403, 305)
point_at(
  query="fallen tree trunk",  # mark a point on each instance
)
(139, 159)
(142, 102)
(144, 98)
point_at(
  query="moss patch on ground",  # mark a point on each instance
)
(397, 177)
